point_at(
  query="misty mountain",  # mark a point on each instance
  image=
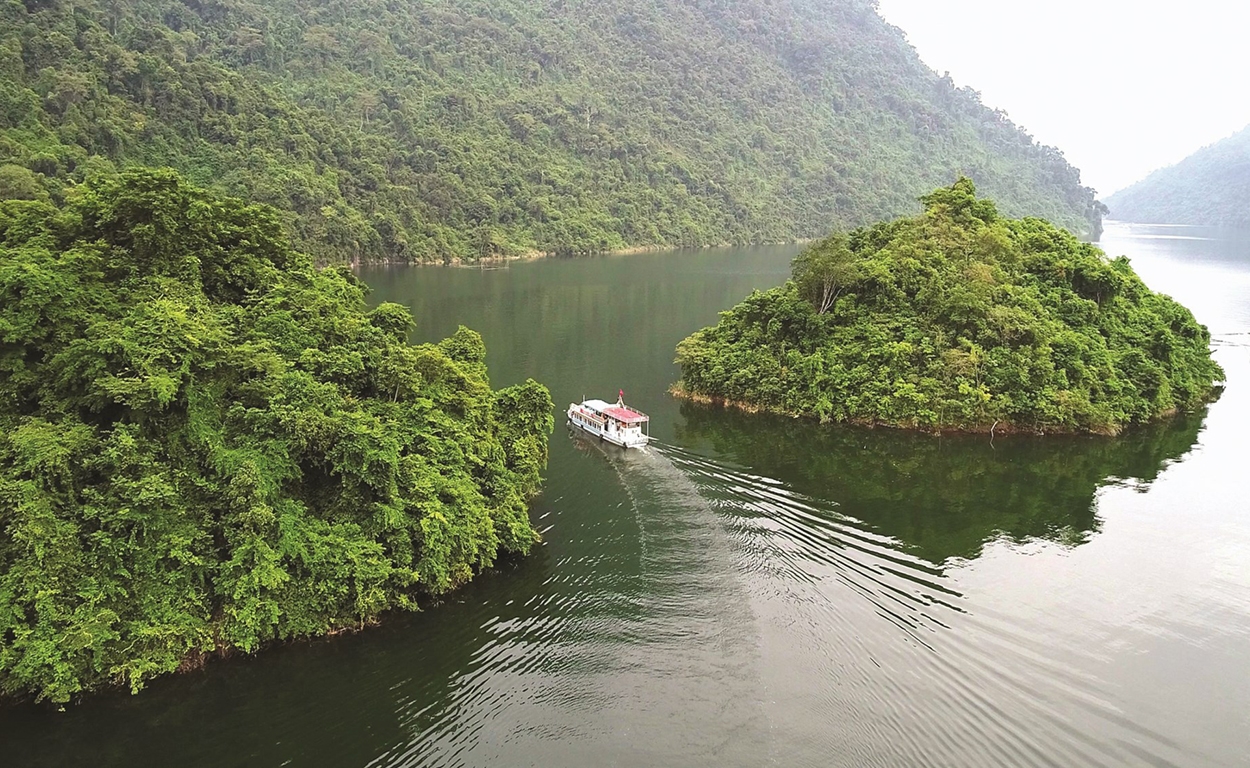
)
(1211, 186)
(439, 129)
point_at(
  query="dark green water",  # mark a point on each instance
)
(756, 590)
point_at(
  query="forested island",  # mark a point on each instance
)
(957, 319)
(461, 129)
(1211, 187)
(206, 444)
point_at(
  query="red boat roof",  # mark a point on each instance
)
(626, 415)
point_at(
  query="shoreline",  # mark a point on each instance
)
(535, 255)
(998, 427)
(199, 661)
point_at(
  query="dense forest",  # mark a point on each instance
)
(957, 319)
(1211, 186)
(456, 129)
(206, 444)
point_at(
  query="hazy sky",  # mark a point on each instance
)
(1121, 86)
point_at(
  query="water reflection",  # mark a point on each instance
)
(764, 591)
(1215, 246)
(870, 555)
(945, 497)
(341, 701)
(1209, 274)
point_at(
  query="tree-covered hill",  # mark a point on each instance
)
(1211, 186)
(436, 129)
(957, 319)
(207, 444)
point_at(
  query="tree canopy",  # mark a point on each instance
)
(957, 319)
(207, 444)
(456, 129)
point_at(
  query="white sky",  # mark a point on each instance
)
(1121, 87)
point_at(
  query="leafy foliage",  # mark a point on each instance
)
(821, 273)
(1211, 186)
(206, 444)
(456, 129)
(960, 319)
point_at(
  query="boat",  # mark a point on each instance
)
(615, 423)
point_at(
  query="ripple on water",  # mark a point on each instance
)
(875, 656)
(642, 655)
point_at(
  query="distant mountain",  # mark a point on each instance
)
(1211, 186)
(436, 129)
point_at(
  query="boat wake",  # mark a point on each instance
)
(645, 653)
(889, 654)
(714, 614)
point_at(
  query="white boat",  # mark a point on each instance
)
(615, 423)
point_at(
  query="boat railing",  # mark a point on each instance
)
(599, 415)
(640, 413)
(591, 416)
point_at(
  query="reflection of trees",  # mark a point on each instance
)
(583, 326)
(945, 497)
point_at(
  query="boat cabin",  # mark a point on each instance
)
(614, 422)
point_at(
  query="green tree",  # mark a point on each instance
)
(957, 319)
(206, 444)
(822, 272)
(18, 183)
(397, 130)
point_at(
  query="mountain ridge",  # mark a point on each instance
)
(457, 129)
(1210, 186)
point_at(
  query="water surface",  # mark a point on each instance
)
(758, 590)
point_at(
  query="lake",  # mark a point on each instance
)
(759, 590)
